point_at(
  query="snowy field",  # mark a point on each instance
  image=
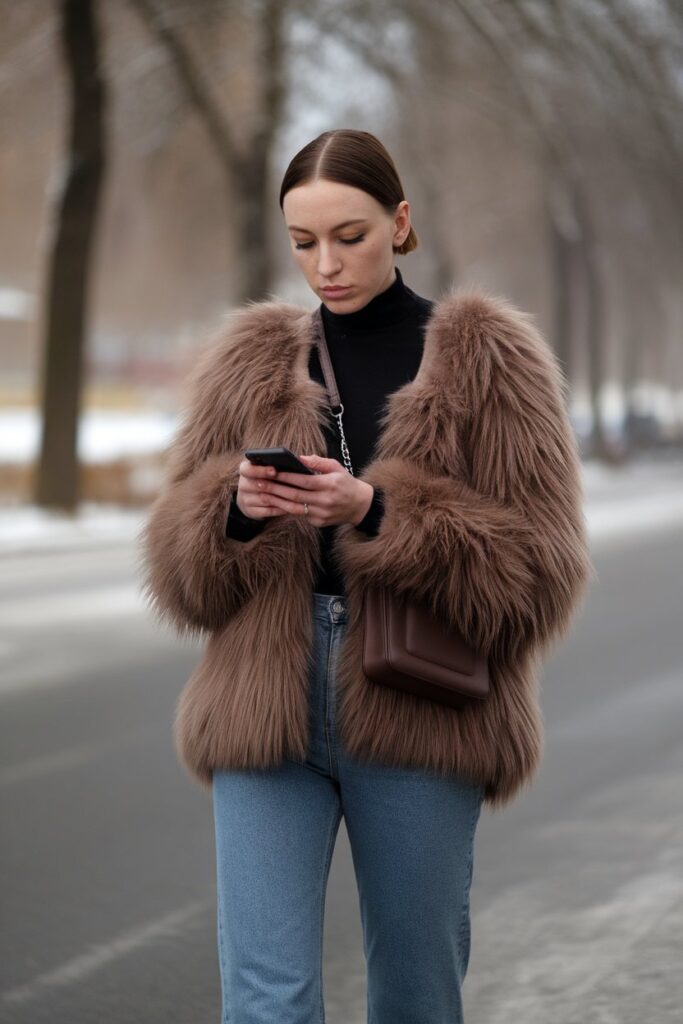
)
(620, 502)
(102, 434)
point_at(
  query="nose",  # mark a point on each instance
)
(328, 262)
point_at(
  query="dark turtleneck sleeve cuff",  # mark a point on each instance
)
(241, 527)
(371, 521)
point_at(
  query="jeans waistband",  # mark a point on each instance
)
(329, 607)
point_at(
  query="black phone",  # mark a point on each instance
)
(282, 459)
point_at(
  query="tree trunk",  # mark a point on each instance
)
(562, 250)
(595, 328)
(248, 201)
(246, 166)
(70, 248)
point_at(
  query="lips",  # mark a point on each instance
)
(334, 291)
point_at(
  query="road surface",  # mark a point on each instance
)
(107, 858)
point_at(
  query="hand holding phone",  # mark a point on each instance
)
(337, 497)
(261, 464)
(281, 459)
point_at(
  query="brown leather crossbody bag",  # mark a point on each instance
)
(405, 646)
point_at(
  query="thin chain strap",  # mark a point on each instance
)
(331, 383)
(344, 446)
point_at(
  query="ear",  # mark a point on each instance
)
(402, 222)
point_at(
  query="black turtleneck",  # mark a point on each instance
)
(374, 351)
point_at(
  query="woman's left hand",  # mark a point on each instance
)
(334, 496)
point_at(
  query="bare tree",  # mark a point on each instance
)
(76, 204)
(245, 160)
(601, 89)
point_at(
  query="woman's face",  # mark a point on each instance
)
(331, 251)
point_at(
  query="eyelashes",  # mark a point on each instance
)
(344, 241)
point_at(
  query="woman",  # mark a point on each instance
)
(465, 491)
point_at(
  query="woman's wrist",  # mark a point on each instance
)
(240, 526)
(237, 511)
(366, 494)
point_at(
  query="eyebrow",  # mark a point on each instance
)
(358, 220)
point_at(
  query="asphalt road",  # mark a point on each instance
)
(107, 858)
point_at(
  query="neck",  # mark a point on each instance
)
(390, 306)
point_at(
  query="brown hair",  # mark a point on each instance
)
(355, 158)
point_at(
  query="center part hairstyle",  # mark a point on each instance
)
(354, 158)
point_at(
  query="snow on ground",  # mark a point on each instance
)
(103, 434)
(641, 497)
(29, 528)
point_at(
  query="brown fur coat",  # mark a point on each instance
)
(483, 517)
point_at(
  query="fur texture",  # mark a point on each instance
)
(483, 518)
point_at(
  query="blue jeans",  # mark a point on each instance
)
(412, 836)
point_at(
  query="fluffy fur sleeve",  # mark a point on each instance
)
(500, 548)
(195, 575)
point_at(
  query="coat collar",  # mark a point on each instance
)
(286, 332)
(270, 350)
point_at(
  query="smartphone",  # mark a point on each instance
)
(281, 458)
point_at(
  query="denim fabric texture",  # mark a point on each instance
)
(412, 840)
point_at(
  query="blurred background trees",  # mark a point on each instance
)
(73, 219)
(540, 144)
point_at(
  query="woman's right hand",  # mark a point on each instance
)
(248, 498)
